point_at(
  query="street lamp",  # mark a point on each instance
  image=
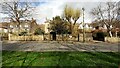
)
(83, 26)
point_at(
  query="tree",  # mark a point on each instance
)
(59, 25)
(16, 10)
(105, 14)
(71, 14)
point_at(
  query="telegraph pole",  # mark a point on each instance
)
(83, 26)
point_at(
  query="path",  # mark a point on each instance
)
(60, 46)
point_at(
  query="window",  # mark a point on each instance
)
(27, 29)
(26, 25)
(5, 30)
(20, 25)
(11, 26)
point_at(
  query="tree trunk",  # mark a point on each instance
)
(110, 33)
(62, 37)
(78, 36)
(18, 23)
(18, 29)
(71, 28)
(116, 33)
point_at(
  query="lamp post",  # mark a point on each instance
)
(83, 26)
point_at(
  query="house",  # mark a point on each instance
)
(47, 26)
(28, 26)
(87, 26)
(4, 30)
(3, 27)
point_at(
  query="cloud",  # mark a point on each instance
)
(48, 10)
(53, 8)
(67, 0)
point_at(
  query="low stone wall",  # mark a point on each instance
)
(27, 38)
(112, 39)
(41, 38)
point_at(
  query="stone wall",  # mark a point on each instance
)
(112, 39)
(27, 38)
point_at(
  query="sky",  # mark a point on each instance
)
(51, 8)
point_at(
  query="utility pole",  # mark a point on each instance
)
(83, 26)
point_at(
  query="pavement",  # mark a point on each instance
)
(43, 46)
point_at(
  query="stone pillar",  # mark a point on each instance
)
(9, 38)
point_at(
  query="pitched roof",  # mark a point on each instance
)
(4, 25)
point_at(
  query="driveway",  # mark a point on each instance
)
(42, 46)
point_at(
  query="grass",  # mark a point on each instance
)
(82, 59)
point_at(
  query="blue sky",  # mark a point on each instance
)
(51, 8)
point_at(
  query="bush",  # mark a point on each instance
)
(99, 35)
(24, 33)
(38, 32)
(106, 34)
(118, 34)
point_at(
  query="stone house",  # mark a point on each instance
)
(3, 27)
(47, 26)
(26, 25)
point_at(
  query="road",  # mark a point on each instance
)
(43, 46)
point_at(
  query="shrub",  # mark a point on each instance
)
(106, 34)
(118, 34)
(99, 35)
(38, 31)
(24, 33)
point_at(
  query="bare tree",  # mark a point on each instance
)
(16, 10)
(106, 13)
(70, 15)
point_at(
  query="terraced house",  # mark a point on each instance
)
(28, 26)
(4, 27)
(3, 30)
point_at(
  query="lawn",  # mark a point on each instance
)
(60, 59)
